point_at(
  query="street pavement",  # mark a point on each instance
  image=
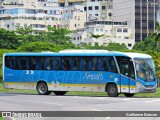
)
(31, 102)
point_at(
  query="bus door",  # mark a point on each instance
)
(127, 82)
(125, 76)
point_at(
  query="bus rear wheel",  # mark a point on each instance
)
(129, 94)
(112, 90)
(60, 92)
(42, 88)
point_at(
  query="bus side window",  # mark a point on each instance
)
(47, 63)
(39, 62)
(32, 63)
(82, 64)
(15, 63)
(89, 63)
(57, 63)
(22, 63)
(8, 62)
(94, 63)
(66, 63)
(112, 65)
(102, 63)
(75, 63)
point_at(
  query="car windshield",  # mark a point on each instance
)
(146, 69)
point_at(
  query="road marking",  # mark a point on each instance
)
(96, 110)
(107, 118)
(152, 101)
(52, 103)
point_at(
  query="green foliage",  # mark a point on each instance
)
(110, 47)
(156, 56)
(116, 47)
(56, 35)
(147, 44)
(37, 46)
(8, 39)
(96, 36)
(40, 46)
(24, 30)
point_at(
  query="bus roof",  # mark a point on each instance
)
(81, 53)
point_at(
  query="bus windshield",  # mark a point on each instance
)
(146, 69)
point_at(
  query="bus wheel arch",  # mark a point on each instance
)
(42, 88)
(111, 89)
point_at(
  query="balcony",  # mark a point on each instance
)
(62, 1)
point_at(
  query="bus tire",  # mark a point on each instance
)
(59, 92)
(112, 90)
(42, 88)
(129, 94)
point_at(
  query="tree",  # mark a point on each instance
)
(8, 39)
(147, 44)
(96, 36)
(37, 46)
(58, 35)
(27, 30)
(110, 46)
(25, 34)
(116, 47)
(156, 34)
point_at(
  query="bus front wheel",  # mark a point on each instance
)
(42, 88)
(59, 92)
(112, 90)
(129, 94)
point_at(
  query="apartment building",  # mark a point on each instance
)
(74, 17)
(117, 32)
(98, 9)
(39, 15)
(139, 14)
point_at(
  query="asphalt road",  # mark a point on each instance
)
(25, 102)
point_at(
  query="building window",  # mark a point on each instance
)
(18, 24)
(126, 37)
(129, 45)
(96, 14)
(85, 8)
(90, 8)
(119, 30)
(80, 37)
(97, 30)
(96, 43)
(103, 7)
(101, 30)
(109, 14)
(125, 30)
(25, 25)
(96, 7)
(106, 31)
